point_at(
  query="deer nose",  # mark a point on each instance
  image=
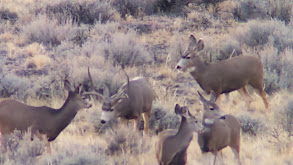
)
(179, 67)
(103, 121)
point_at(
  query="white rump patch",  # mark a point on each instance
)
(107, 116)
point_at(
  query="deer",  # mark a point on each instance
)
(223, 76)
(132, 101)
(15, 115)
(172, 144)
(220, 130)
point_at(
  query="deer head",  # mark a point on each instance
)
(190, 56)
(211, 110)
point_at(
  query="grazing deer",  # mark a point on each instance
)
(15, 115)
(172, 144)
(223, 76)
(220, 130)
(132, 101)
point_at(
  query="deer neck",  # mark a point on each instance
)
(66, 113)
(184, 133)
(198, 69)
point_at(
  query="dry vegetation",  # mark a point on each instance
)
(42, 42)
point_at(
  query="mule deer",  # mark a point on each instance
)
(172, 145)
(132, 101)
(15, 115)
(220, 130)
(223, 76)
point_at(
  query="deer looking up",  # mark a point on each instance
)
(220, 130)
(223, 76)
(15, 115)
(132, 101)
(172, 145)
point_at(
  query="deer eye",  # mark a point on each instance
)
(195, 121)
(187, 57)
(212, 109)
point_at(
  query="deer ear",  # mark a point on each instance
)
(189, 114)
(177, 109)
(106, 92)
(200, 45)
(192, 43)
(202, 99)
(68, 86)
(213, 97)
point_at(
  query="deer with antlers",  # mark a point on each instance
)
(15, 115)
(132, 101)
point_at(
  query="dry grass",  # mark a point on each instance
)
(37, 52)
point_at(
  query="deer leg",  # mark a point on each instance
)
(124, 121)
(263, 96)
(146, 118)
(247, 96)
(215, 153)
(137, 123)
(236, 154)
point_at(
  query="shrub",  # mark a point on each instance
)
(48, 32)
(134, 7)
(278, 69)
(76, 153)
(124, 49)
(81, 11)
(251, 126)
(162, 118)
(18, 148)
(229, 48)
(252, 9)
(125, 140)
(7, 15)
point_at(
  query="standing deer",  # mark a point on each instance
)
(223, 76)
(172, 144)
(132, 101)
(220, 130)
(15, 115)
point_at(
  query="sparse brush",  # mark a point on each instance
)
(48, 32)
(125, 140)
(251, 126)
(77, 153)
(7, 15)
(81, 12)
(229, 48)
(252, 9)
(124, 50)
(18, 148)
(162, 118)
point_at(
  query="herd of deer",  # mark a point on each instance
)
(134, 101)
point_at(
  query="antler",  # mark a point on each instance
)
(92, 87)
(126, 76)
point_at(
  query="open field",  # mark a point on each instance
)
(44, 42)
